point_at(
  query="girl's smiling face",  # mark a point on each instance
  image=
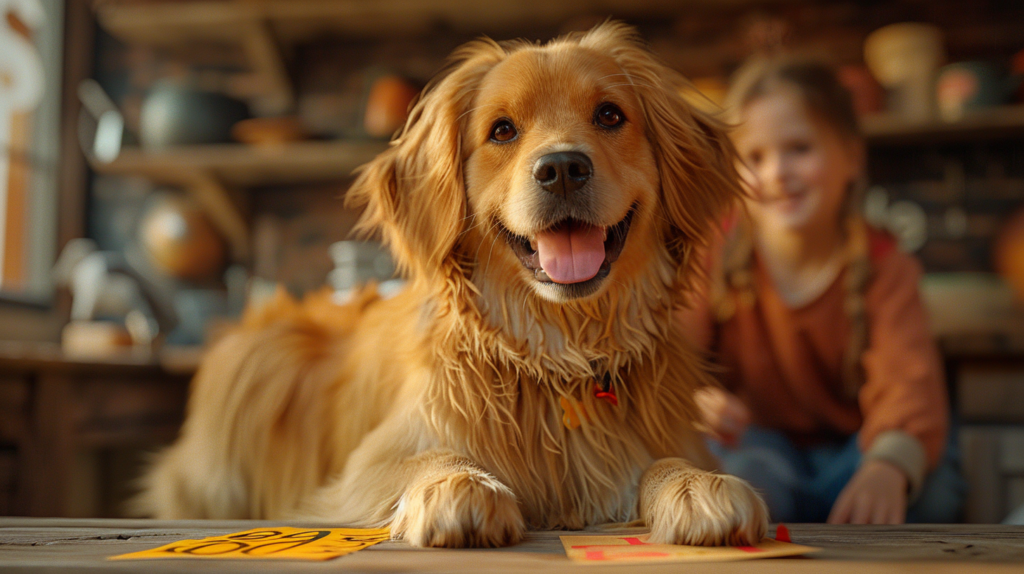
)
(797, 167)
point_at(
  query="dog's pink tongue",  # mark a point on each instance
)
(571, 253)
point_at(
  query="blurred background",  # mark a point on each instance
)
(164, 162)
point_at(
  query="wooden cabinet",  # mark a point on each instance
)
(993, 464)
(988, 390)
(58, 415)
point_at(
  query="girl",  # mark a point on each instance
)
(833, 400)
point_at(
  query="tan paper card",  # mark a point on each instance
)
(283, 542)
(635, 549)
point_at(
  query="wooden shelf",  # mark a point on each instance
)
(211, 173)
(173, 24)
(998, 122)
(240, 166)
(262, 30)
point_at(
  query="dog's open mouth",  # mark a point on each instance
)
(571, 252)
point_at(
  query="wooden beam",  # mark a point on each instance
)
(224, 213)
(78, 41)
(277, 95)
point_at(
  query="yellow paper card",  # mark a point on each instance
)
(282, 542)
(635, 549)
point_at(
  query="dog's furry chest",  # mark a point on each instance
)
(563, 477)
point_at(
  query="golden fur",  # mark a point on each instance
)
(437, 411)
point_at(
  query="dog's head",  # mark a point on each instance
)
(572, 169)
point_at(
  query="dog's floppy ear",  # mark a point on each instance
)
(414, 193)
(696, 160)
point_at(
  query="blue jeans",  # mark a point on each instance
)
(802, 484)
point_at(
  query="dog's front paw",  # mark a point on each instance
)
(465, 508)
(705, 509)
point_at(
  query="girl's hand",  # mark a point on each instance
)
(724, 414)
(877, 494)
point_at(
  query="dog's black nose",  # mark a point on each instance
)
(563, 172)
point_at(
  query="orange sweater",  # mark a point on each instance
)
(785, 363)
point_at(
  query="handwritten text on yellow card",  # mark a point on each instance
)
(635, 548)
(281, 542)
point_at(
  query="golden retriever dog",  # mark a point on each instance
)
(544, 202)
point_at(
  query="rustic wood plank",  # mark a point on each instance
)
(46, 473)
(37, 545)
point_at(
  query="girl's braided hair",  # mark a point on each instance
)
(827, 99)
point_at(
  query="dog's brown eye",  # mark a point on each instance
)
(609, 116)
(503, 131)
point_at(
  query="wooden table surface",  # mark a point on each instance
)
(83, 545)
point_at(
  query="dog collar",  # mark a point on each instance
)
(603, 389)
(571, 410)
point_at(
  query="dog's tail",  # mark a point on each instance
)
(260, 399)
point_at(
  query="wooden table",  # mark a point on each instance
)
(69, 545)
